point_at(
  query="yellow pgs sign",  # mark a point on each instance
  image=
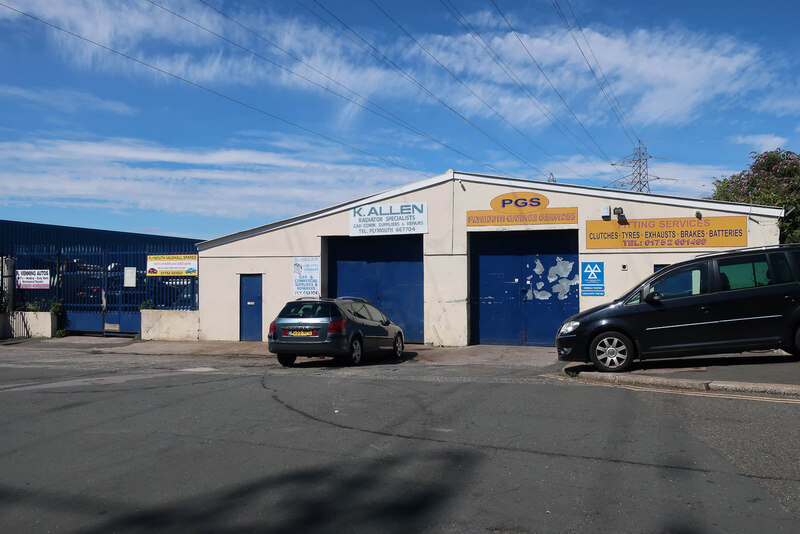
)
(521, 207)
(681, 232)
(172, 265)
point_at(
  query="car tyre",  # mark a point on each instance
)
(356, 351)
(398, 346)
(286, 360)
(612, 352)
(796, 345)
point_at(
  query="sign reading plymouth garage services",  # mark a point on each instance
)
(521, 207)
(680, 232)
(382, 219)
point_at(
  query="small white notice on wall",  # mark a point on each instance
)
(130, 277)
(305, 276)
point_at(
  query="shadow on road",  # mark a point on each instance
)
(377, 494)
(366, 361)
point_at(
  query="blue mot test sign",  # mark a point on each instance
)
(593, 280)
(389, 219)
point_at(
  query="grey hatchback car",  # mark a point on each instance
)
(346, 328)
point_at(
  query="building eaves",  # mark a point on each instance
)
(611, 194)
(616, 194)
(338, 208)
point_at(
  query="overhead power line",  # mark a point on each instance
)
(212, 91)
(418, 84)
(546, 77)
(468, 88)
(384, 114)
(600, 68)
(530, 95)
(616, 113)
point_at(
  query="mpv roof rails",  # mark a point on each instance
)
(745, 249)
(353, 298)
(312, 298)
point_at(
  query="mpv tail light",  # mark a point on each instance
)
(336, 326)
(272, 327)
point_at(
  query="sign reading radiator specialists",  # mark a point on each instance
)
(172, 265)
(391, 219)
(680, 232)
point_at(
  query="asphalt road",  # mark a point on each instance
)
(127, 443)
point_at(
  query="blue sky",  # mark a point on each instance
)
(90, 138)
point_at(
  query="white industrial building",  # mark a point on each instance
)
(465, 258)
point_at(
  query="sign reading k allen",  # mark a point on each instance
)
(521, 207)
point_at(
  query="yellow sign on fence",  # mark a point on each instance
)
(172, 265)
(681, 232)
(521, 207)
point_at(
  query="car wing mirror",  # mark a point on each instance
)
(652, 298)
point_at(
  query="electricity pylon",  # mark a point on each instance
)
(638, 179)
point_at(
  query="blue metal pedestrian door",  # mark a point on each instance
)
(522, 285)
(250, 308)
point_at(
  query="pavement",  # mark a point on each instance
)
(756, 373)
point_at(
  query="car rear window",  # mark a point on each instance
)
(743, 272)
(780, 272)
(358, 309)
(304, 309)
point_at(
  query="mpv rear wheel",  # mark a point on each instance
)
(796, 346)
(355, 351)
(611, 352)
(286, 360)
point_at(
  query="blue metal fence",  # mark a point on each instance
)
(87, 272)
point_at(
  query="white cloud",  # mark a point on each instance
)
(680, 179)
(64, 100)
(762, 142)
(129, 174)
(662, 76)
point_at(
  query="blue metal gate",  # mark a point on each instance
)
(523, 284)
(250, 308)
(87, 274)
(387, 271)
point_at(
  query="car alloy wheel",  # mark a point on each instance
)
(398, 346)
(355, 351)
(611, 352)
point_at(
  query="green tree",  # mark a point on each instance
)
(773, 179)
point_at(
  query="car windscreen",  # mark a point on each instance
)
(305, 309)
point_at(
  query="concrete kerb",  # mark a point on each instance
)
(685, 384)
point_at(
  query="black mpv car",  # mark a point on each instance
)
(344, 328)
(734, 301)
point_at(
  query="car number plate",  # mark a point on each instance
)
(301, 333)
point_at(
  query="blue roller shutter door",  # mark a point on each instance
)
(522, 285)
(387, 271)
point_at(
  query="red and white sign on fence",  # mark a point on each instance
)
(33, 279)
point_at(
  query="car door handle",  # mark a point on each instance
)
(790, 298)
(705, 309)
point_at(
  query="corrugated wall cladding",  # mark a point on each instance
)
(86, 269)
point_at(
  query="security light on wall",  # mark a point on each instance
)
(618, 212)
